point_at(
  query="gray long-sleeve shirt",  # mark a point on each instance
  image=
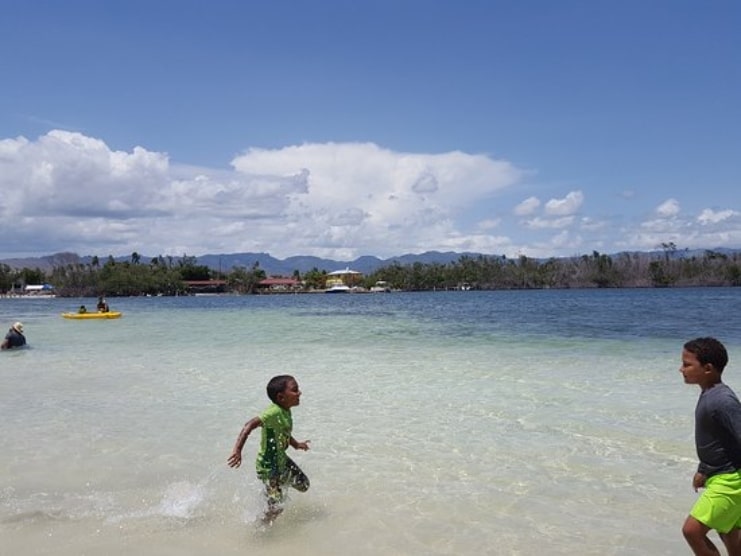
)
(718, 430)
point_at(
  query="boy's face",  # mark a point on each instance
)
(693, 371)
(291, 396)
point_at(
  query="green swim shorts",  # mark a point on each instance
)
(290, 476)
(719, 506)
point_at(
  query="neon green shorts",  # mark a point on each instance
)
(719, 506)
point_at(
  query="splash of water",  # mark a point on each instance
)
(181, 500)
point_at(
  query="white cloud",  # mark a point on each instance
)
(549, 223)
(703, 232)
(709, 216)
(668, 208)
(66, 174)
(405, 199)
(527, 207)
(565, 243)
(566, 206)
(566, 240)
(592, 225)
(489, 224)
(67, 191)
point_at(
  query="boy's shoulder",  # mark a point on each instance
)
(721, 394)
(274, 410)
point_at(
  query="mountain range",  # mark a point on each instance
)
(286, 267)
(268, 263)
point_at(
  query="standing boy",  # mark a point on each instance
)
(274, 467)
(718, 442)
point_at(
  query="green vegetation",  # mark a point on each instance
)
(167, 276)
(162, 276)
(638, 270)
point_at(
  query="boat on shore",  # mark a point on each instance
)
(98, 315)
(381, 287)
(342, 281)
(338, 288)
(336, 284)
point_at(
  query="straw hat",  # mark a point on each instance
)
(18, 327)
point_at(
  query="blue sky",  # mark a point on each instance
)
(348, 128)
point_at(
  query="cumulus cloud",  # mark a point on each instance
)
(566, 206)
(709, 216)
(558, 216)
(403, 197)
(710, 229)
(668, 208)
(68, 191)
(66, 174)
(527, 207)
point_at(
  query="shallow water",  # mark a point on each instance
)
(544, 422)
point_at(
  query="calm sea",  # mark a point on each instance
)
(513, 423)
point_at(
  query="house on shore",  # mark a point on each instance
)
(341, 281)
(279, 285)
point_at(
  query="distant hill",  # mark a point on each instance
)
(271, 265)
(286, 267)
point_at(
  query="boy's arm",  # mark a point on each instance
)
(296, 445)
(698, 481)
(235, 459)
(729, 417)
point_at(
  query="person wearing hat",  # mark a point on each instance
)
(14, 338)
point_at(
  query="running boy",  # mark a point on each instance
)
(718, 442)
(274, 467)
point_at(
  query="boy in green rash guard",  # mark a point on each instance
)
(718, 443)
(274, 468)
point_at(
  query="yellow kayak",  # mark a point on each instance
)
(108, 315)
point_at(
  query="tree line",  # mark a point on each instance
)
(171, 276)
(638, 270)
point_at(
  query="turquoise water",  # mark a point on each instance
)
(543, 422)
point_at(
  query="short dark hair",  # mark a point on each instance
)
(277, 385)
(709, 350)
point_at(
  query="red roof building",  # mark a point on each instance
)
(279, 284)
